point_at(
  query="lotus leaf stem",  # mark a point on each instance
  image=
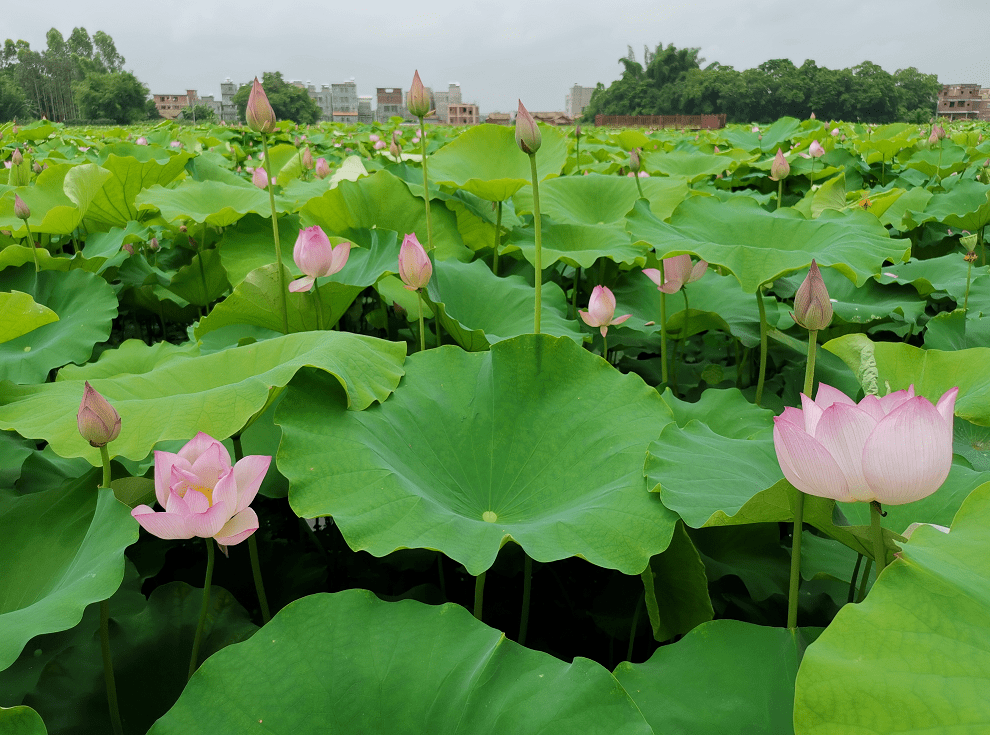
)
(780, 192)
(852, 582)
(969, 276)
(574, 291)
(635, 624)
(259, 584)
(108, 676)
(879, 550)
(282, 287)
(204, 608)
(498, 236)
(664, 376)
(426, 186)
(34, 250)
(763, 344)
(538, 258)
(865, 580)
(422, 328)
(527, 591)
(639, 186)
(479, 594)
(202, 268)
(320, 323)
(605, 348)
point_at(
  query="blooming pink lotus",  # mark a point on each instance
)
(316, 257)
(203, 495)
(677, 271)
(601, 310)
(415, 268)
(892, 450)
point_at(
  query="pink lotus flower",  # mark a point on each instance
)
(811, 116)
(815, 150)
(417, 99)
(260, 178)
(373, 138)
(322, 168)
(379, 144)
(307, 158)
(415, 268)
(22, 210)
(141, 141)
(893, 450)
(203, 495)
(97, 420)
(835, 132)
(528, 136)
(601, 310)
(780, 168)
(677, 272)
(316, 257)
(259, 113)
(812, 306)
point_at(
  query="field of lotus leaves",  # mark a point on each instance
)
(481, 515)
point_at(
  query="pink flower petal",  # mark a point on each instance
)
(225, 490)
(871, 404)
(620, 319)
(794, 416)
(196, 446)
(211, 464)
(909, 454)
(163, 473)
(946, 405)
(238, 528)
(196, 502)
(302, 284)
(249, 472)
(208, 524)
(654, 275)
(162, 525)
(843, 431)
(812, 413)
(827, 395)
(806, 464)
(176, 504)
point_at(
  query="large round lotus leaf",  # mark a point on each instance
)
(759, 246)
(114, 204)
(912, 658)
(86, 306)
(536, 440)
(215, 203)
(872, 302)
(691, 165)
(965, 206)
(931, 372)
(383, 202)
(215, 393)
(58, 199)
(248, 245)
(21, 721)
(577, 245)
(355, 664)
(941, 160)
(723, 676)
(20, 314)
(62, 549)
(480, 308)
(486, 161)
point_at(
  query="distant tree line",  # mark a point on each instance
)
(671, 81)
(78, 77)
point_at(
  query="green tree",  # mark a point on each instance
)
(199, 114)
(917, 95)
(117, 96)
(13, 103)
(288, 101)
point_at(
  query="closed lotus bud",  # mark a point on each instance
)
(260, 178)
(153, 244)
(933, 138)
(183, 228)
(811, 116)
(394, 150)
(322, 168)
(17, 158)
(816, 150)
(634, 162)
(835, 132)
(417, 100)
(374, 138)
(307, 158)
(128, 248)
(812, 306)
(379, 145)
(21, 210)
(98, 421)
(36, 167)
(141, 141)
(415, 268)
(780, 168)
(259, 113)
(528, 136)
(577, 130)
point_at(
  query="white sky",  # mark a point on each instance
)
(500, 51)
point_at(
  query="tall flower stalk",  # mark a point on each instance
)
(22, 212)
(529, 140)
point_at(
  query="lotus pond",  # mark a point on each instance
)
(487, 511)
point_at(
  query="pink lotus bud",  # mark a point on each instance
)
(17, 158)
(153, 244)
(601, 310)
(141, 141)
(98, 421)
(259, 113)
(394, 150)
(379, 144)
(716, 150)
(175, 144)
(933, 138)
(183, 228)
(644, 175)
(780, 168)
(416, 139)
(894, 449)
(415, 268)
(756, 129)
(812, 306)
(374, 138)
(36, 167)
(417, 101)
(812, 115)
(577, 130)
(316, 257)
(528, 136)
(835, 132)
(260, 178)
(322, 168)
(397, 136)
(128, 248)
(939, 131)
(21, 210)
(307, 158)
(815, 149)
(634, 162)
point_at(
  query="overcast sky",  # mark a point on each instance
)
(509, 49)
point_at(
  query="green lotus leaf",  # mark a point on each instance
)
(212, 202)
(872, 302)
(21, 720)
(677, 600)
(480, 308)
(578, 245)
(913, 656)
(965, 206)
(723, 676)
(63, 549)
(15, 255)
(58, 199)
(202, 281)
(20, 314)
(690, 165)
(215, 393)
(944, 162)
(548, 452)
(486, 161)
(951, 330)
(913, 200)
(931, 372)
(751, 552)
(362, 665)
(888, 140)
(946, 273)
(114, 204)
(86, 306)
(382, 201)
(759, 246)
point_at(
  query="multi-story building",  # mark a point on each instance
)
(577, 99)
(389, 103)
(461, 114)
(171, 105)
(345, 101)
(444, 99)
(228, 110)
(964, 102)
(365, 114)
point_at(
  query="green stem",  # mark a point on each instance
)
(422, 329)
(763, 345)
(527, 590)
(639, 186)
(539, 242)
(605, 348)
(879, 550)
(443, 580)
(259, 584)
(282, 287)
(204, 608)
(809, 366)
(202, 268)
(577, 139)
(479, 594)
(426, 185)
(634, 626)
(792, 596)
(852, 582)
(664, 376)
(865, 580)
(34, 250)
(969, 275)
(682, 341)
(780, 192)
(983, 249)
(498, 237)
(108, 676)
(320, 324)
(574, 291)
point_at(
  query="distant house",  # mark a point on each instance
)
(499, 118)
(171, 105)
(553, 118)
(461, 114)
(964, 102)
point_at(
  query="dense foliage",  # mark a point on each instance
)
(289, 101)
(672, 81)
